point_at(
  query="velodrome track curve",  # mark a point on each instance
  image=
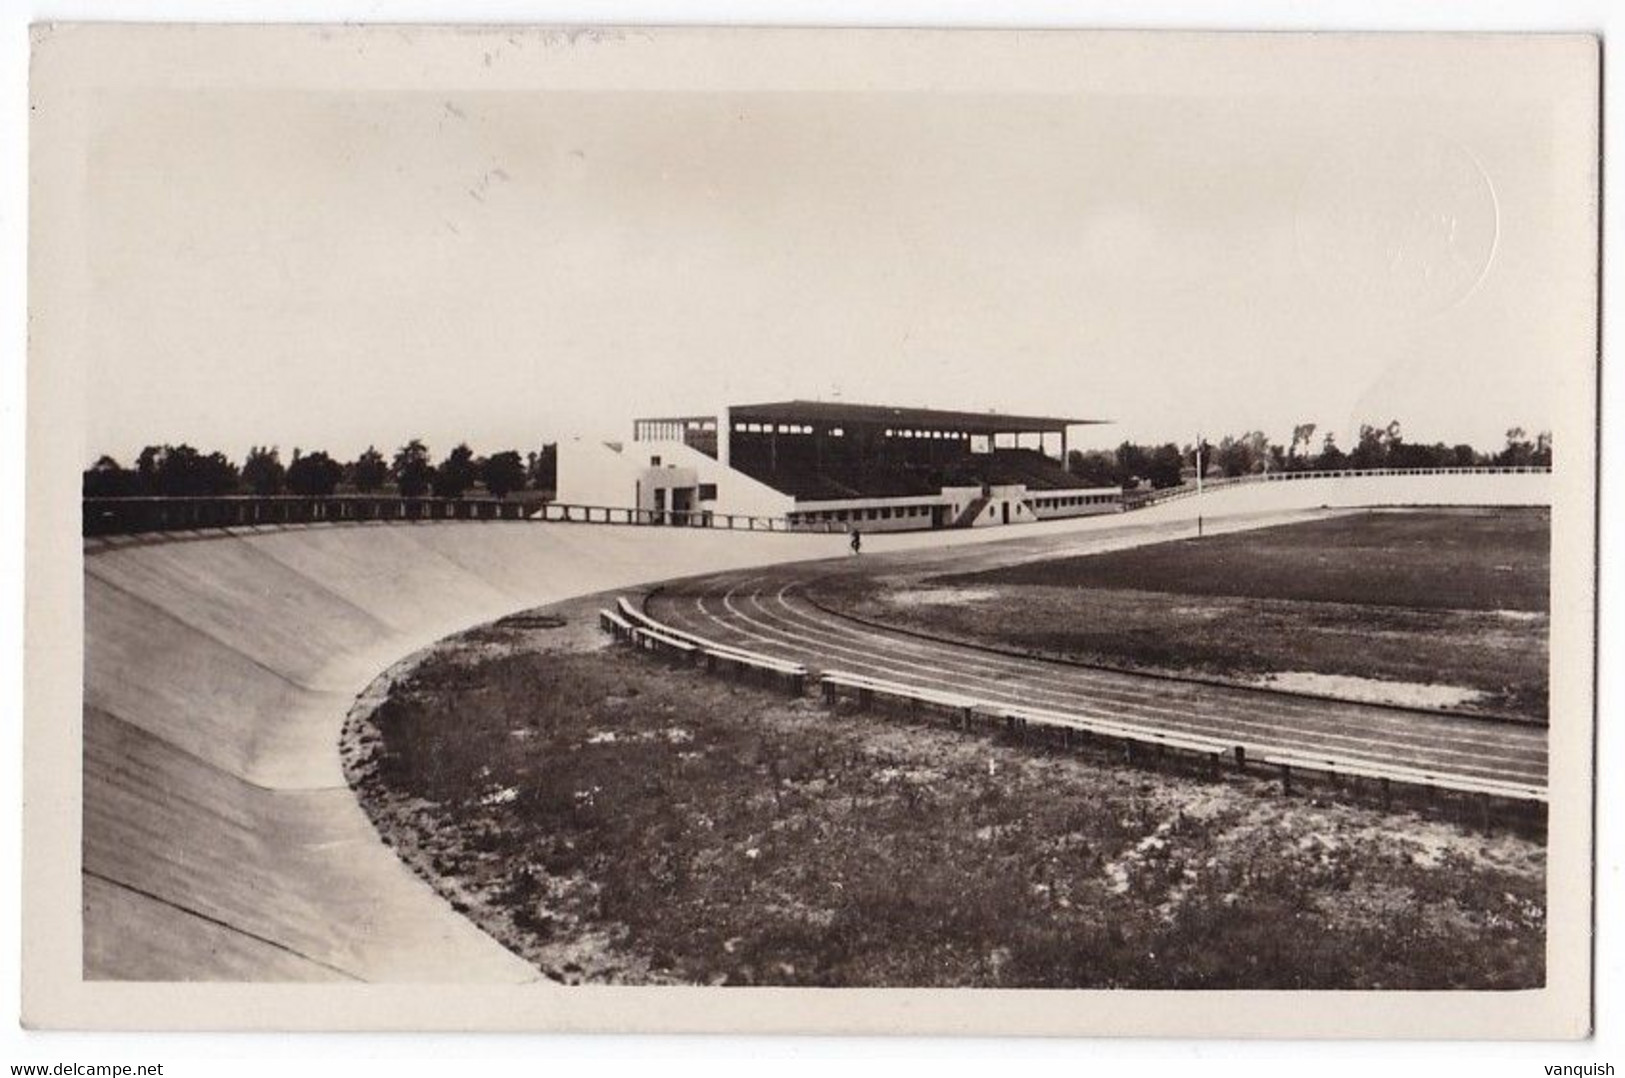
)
(220, 841)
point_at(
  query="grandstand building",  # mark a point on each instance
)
(835, 466)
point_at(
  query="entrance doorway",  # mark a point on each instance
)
(682, 503)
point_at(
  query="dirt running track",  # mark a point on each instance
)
(220, 841)
(769, 612)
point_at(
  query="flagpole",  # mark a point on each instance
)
(1198, 464)
(1199, 471)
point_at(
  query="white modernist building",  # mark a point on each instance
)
(829, 466)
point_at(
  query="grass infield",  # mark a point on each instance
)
(1474, 559)
(615, 820)
(1432, 598)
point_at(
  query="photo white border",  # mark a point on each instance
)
(1608, 969)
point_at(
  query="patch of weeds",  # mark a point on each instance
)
(654, 825)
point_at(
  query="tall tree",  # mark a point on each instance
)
(412, 469)
(503, 473)
(1236, 456)
(370, 471)
(314, 475)
(180, 471)
(542, 469)
(1095, 467)
(262, 471)
(456, 473)
(1371, 448)
(1542, 456)
(1331, 458)
(1298, 452)
(1165, 467)
(1133, 464)
(1201, 455)
(108, 479)
(146, 468)
(1519, 451)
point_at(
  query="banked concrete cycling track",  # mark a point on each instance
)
(220, 839)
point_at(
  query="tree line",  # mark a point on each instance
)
(183, 471)
(1168, 465)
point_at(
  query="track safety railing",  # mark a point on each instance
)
(1146, 499)
(865, 689)
(142, 515)
(629, 623)
(146, 514)
(1068, 726)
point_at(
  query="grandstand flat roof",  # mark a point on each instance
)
(886, 415)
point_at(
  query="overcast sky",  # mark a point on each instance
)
(329, 270)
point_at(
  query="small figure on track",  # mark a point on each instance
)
(857, 541)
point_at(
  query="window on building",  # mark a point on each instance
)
(708, 492)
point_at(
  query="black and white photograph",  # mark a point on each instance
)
(1083, 531)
